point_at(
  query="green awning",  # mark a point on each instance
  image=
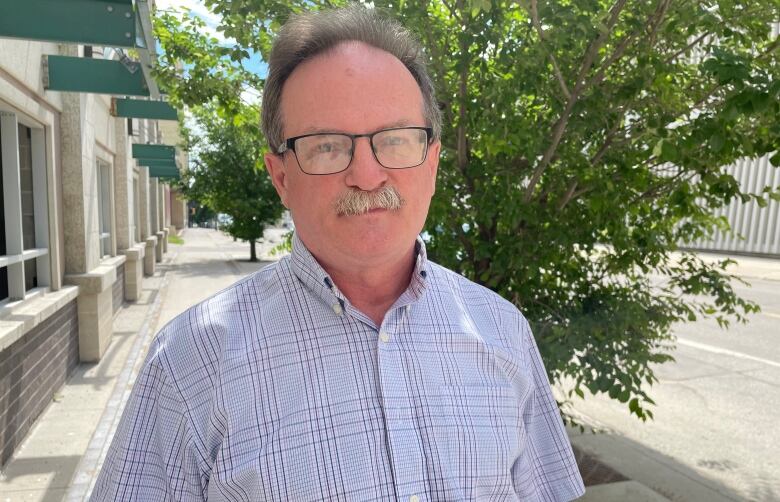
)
(138, 108)
(157, 163)
(154, 152)
(163, 172)
(100, 76)
(92, 22)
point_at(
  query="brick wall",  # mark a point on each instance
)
(32, 369)
(119, 287)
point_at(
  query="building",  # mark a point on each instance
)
(753, 229)
(86, 203)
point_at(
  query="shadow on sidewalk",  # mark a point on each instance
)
(624, 457)
(48, 467)
(95, 374)
(215, 267)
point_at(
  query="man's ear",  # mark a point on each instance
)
(276, 169)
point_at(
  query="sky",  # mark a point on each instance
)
(254, 63)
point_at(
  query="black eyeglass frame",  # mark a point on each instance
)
(289, 144)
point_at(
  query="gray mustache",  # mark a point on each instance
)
(357, 202)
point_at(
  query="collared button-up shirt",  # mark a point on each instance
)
(277, 388)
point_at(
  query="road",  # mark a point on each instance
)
(715, 434)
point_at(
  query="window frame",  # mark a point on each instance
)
(16, 256)
(105, 200)
(135, 214)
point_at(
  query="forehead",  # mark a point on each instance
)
(352, 88)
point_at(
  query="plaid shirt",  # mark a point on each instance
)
(277, 388)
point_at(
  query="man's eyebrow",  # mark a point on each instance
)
(390, 125)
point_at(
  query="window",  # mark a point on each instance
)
(104, 207)
(28, 204)
(24, 238)
(3, 270)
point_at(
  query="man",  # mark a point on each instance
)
(353, 369)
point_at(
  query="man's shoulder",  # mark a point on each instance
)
(450, 282)
(209, 322)
(498, 321)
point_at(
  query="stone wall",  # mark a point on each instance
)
(31, 371)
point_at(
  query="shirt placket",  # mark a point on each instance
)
(406, 449)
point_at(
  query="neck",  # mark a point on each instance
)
(372, 289)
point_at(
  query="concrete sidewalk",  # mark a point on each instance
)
(62, 454)
(748, 267)
(60, 458)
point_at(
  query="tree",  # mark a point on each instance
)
(227, 173)
(202, 214)
(583, 143)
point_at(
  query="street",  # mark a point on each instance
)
(714, 437)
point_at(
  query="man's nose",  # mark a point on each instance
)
(365, 172)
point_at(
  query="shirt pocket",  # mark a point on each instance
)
(481, 430)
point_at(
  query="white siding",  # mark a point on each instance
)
(753, 229)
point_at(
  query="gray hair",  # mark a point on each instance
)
(309, 34)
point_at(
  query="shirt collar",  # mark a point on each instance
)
(317, 280)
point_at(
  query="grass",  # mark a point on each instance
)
(175, 239)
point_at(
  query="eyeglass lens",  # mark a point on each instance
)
(331, 153)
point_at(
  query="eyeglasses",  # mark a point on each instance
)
(331, 153)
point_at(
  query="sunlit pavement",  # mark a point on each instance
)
(61, 456)
(714, 436)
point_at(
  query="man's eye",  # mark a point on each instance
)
(394, 141)
(325, 148)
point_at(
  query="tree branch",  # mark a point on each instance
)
(567, 196)
(660, 188)
(462, 152)
(609, 138)
(438, 60)
(543, 40)
(663, 7)
(453, 12)
(686, 48)
(560, 125)
(652, 24)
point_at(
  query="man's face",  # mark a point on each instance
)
(354, 89)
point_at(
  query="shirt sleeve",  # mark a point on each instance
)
(549, 471)
(153, 455)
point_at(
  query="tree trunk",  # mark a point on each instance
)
(252, 251)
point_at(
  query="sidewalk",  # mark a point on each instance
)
(60, 458)
(748, 267)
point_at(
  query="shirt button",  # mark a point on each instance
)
(337, 308)
(414, 498)
(384, 336)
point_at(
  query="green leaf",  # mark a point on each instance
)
(669, 152)
(717, 141)
(658, 149)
